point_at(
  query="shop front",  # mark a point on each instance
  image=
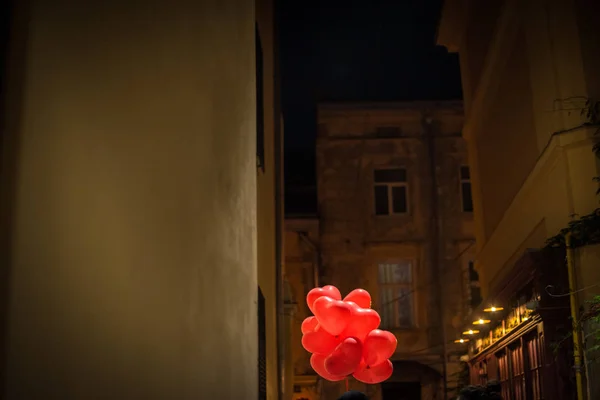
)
(520, 335)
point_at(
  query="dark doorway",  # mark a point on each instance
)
(401, 391)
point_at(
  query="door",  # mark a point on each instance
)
(401, 391)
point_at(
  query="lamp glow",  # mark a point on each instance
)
(470, 332)
(481, 322)
(493, 309)
(461, 341)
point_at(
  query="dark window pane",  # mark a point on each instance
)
(390, 175)
(465, 173)
(399, 199)
(467, 199)
(381, 200)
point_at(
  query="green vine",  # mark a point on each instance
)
(591, 318)
(584, 231)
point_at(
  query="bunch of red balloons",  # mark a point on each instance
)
(343, 337)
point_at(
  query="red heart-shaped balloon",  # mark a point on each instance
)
(345, 358)
(374, 375)
(362, 321)
(320, 342)
(329, 291)
(378, 347)
(333, 315)
(360, 297)
(309, 325)
(317, 362)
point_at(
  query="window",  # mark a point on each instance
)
(535, 366)
(390, 191)
(518, 373)
(396, 294)
(260, 115)
(504, 374)
(465, 189)
(262, 347)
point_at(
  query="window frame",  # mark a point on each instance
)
(462, 181)
(411, 286)
(390, 196)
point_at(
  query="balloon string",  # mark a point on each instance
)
(347, 388)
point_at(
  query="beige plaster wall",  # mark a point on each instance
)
(133, 271)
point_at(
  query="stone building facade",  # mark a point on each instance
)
(395, 218)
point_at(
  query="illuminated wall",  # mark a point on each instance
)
(132, 245)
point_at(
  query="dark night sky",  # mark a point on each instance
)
(369, 50)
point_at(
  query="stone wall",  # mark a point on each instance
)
(354, 240)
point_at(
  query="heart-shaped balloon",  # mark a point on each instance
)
(309, 325)
(317, 362)
(378, 347)
(320, 342)
(333, 315)
(362, 321)
(360, 297)
(329, 291)
(345, 358)
(374, 375)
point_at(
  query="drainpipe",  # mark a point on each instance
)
(435, 244)
(576, 338)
